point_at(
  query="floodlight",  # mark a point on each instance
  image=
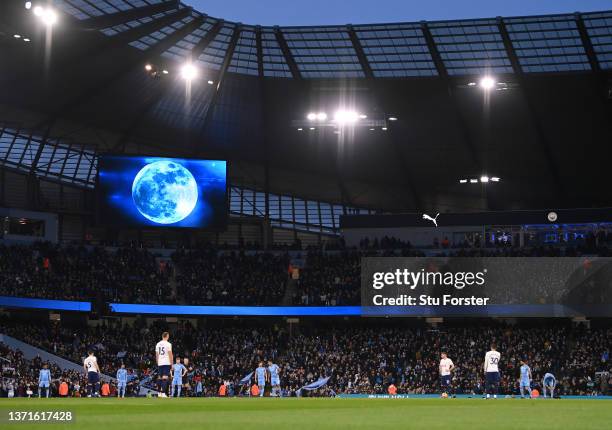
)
(371, 129)
(38, 10)
(148, 67)
(17, 36)
(188, 72)
(392, 118)
(165, 72)
(312, 128)
(346, 116)
(473, 181)
(487, 83)
(300, 129)
(25, 39)
(495, 179)
(463, 181)
(311, 116)
(28, 5)
(362, 116)
(384, 129)
(210, 82)
(484, 179)
(321, 116)
(48, 16)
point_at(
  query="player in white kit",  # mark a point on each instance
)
(445, 368)
(90, 364)
(491, 369)
(163, 357)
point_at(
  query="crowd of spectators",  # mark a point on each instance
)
(207, 276)
(363, 359)
(213, 276)
(19, 376)
(78, 273)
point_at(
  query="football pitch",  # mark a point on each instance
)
(318, 413)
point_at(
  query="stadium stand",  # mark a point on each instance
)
(360, 358)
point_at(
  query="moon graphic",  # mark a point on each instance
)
(164, 192)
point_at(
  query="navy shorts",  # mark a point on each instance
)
(93, 377)
(492, 378)
(163, 370)
(445, 380)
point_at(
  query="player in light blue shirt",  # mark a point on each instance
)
(274, 378)
(261, 376)
(121, 381)
(178, 371)
(44, 381)
(525, 382)
(549, 383)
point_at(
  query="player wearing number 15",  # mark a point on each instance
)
(163, 356)
(491, 369)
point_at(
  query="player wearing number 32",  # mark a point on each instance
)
(163, 356)
(491, 369)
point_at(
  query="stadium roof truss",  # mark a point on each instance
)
(552, 43)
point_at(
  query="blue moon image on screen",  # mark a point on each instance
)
(164, 192)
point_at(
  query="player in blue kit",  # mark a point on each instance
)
(261, 376)
(525, 382)
(274, 378)
(178, 371)
(121, 381)
(44, 380)
(549, 383)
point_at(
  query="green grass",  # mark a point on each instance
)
(314, 414)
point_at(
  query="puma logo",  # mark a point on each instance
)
(434, 219)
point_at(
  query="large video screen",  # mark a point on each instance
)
(163, 192)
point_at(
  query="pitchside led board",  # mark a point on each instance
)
(163, 192)
(511, 287)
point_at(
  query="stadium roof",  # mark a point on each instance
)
(542, 132)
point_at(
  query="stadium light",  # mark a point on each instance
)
(188, 72)
(321, 116)
(165, 72)
(487, 83)
(362, 116)
(38, 11)
(300, 129)
(311, 116)
(312, 128)
(48, 16)
(25, 39)
(210, 82)
(372, 129)
(17, 36)
(384, 129)
(484, 179)
(392, 118)
(28, 5)
(148, 67)
(473, 181)
(463, 181)
(494, 179)
(346, 117)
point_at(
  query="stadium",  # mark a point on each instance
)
(374, 225)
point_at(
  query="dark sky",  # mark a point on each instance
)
(317, 12)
